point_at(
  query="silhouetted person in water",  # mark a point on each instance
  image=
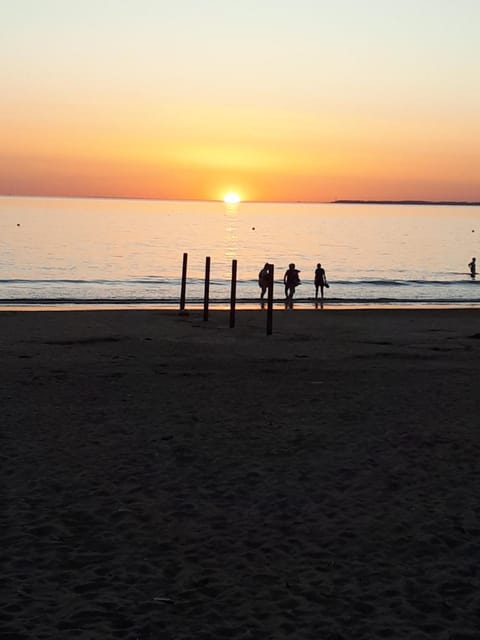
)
(291, 280)
(320, 281)
(264, 279)
(473, 267)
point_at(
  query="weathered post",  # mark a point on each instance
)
(184, 282)
(271, 272)
(206, 291)
(233, 294)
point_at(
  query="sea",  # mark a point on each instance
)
(89, 253)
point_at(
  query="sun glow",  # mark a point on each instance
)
(231, 198)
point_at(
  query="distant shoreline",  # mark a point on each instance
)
(446, 203)
(453, 203)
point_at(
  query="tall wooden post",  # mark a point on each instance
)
(206, 291)
(233, 293)
(271, 271)
(184, 282)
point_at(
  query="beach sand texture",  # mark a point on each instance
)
(163, 477)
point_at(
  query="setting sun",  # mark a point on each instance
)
(231, 198)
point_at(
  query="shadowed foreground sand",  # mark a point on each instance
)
(163, 477)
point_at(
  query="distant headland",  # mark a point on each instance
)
(446, 203)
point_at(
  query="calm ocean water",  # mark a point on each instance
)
(97, 251)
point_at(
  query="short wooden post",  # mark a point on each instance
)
(206, 291)
(271, 271)
(184, 282)
(233, 294)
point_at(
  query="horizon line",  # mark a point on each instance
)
(404, 201)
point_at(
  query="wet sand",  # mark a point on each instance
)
(163, 477)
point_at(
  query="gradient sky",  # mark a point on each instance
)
(274, 99)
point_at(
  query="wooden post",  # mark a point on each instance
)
(184, 282)
(271, 270)
(206, 292)
(233, 293)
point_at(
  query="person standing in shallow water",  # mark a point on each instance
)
(473, 267)
(320, 280)
(291, 280)
(264, 279)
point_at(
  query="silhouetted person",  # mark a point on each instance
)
(473, 267)
(264, 279)
(320, 281)
(291, 280)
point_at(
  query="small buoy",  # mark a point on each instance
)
(18, 224)
(253, 228)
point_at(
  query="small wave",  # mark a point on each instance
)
(150, 280)
(42, 281)
(50, 281)
(57, 281)
(404, 283)
(375, 283)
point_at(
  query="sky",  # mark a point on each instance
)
(276, 100)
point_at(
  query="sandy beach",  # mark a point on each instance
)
(168, 478)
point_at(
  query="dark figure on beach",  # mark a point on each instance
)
(264, 279)
(320, 281)
(291, 280)
(473, 267)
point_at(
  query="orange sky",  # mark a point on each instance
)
(298, 103)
